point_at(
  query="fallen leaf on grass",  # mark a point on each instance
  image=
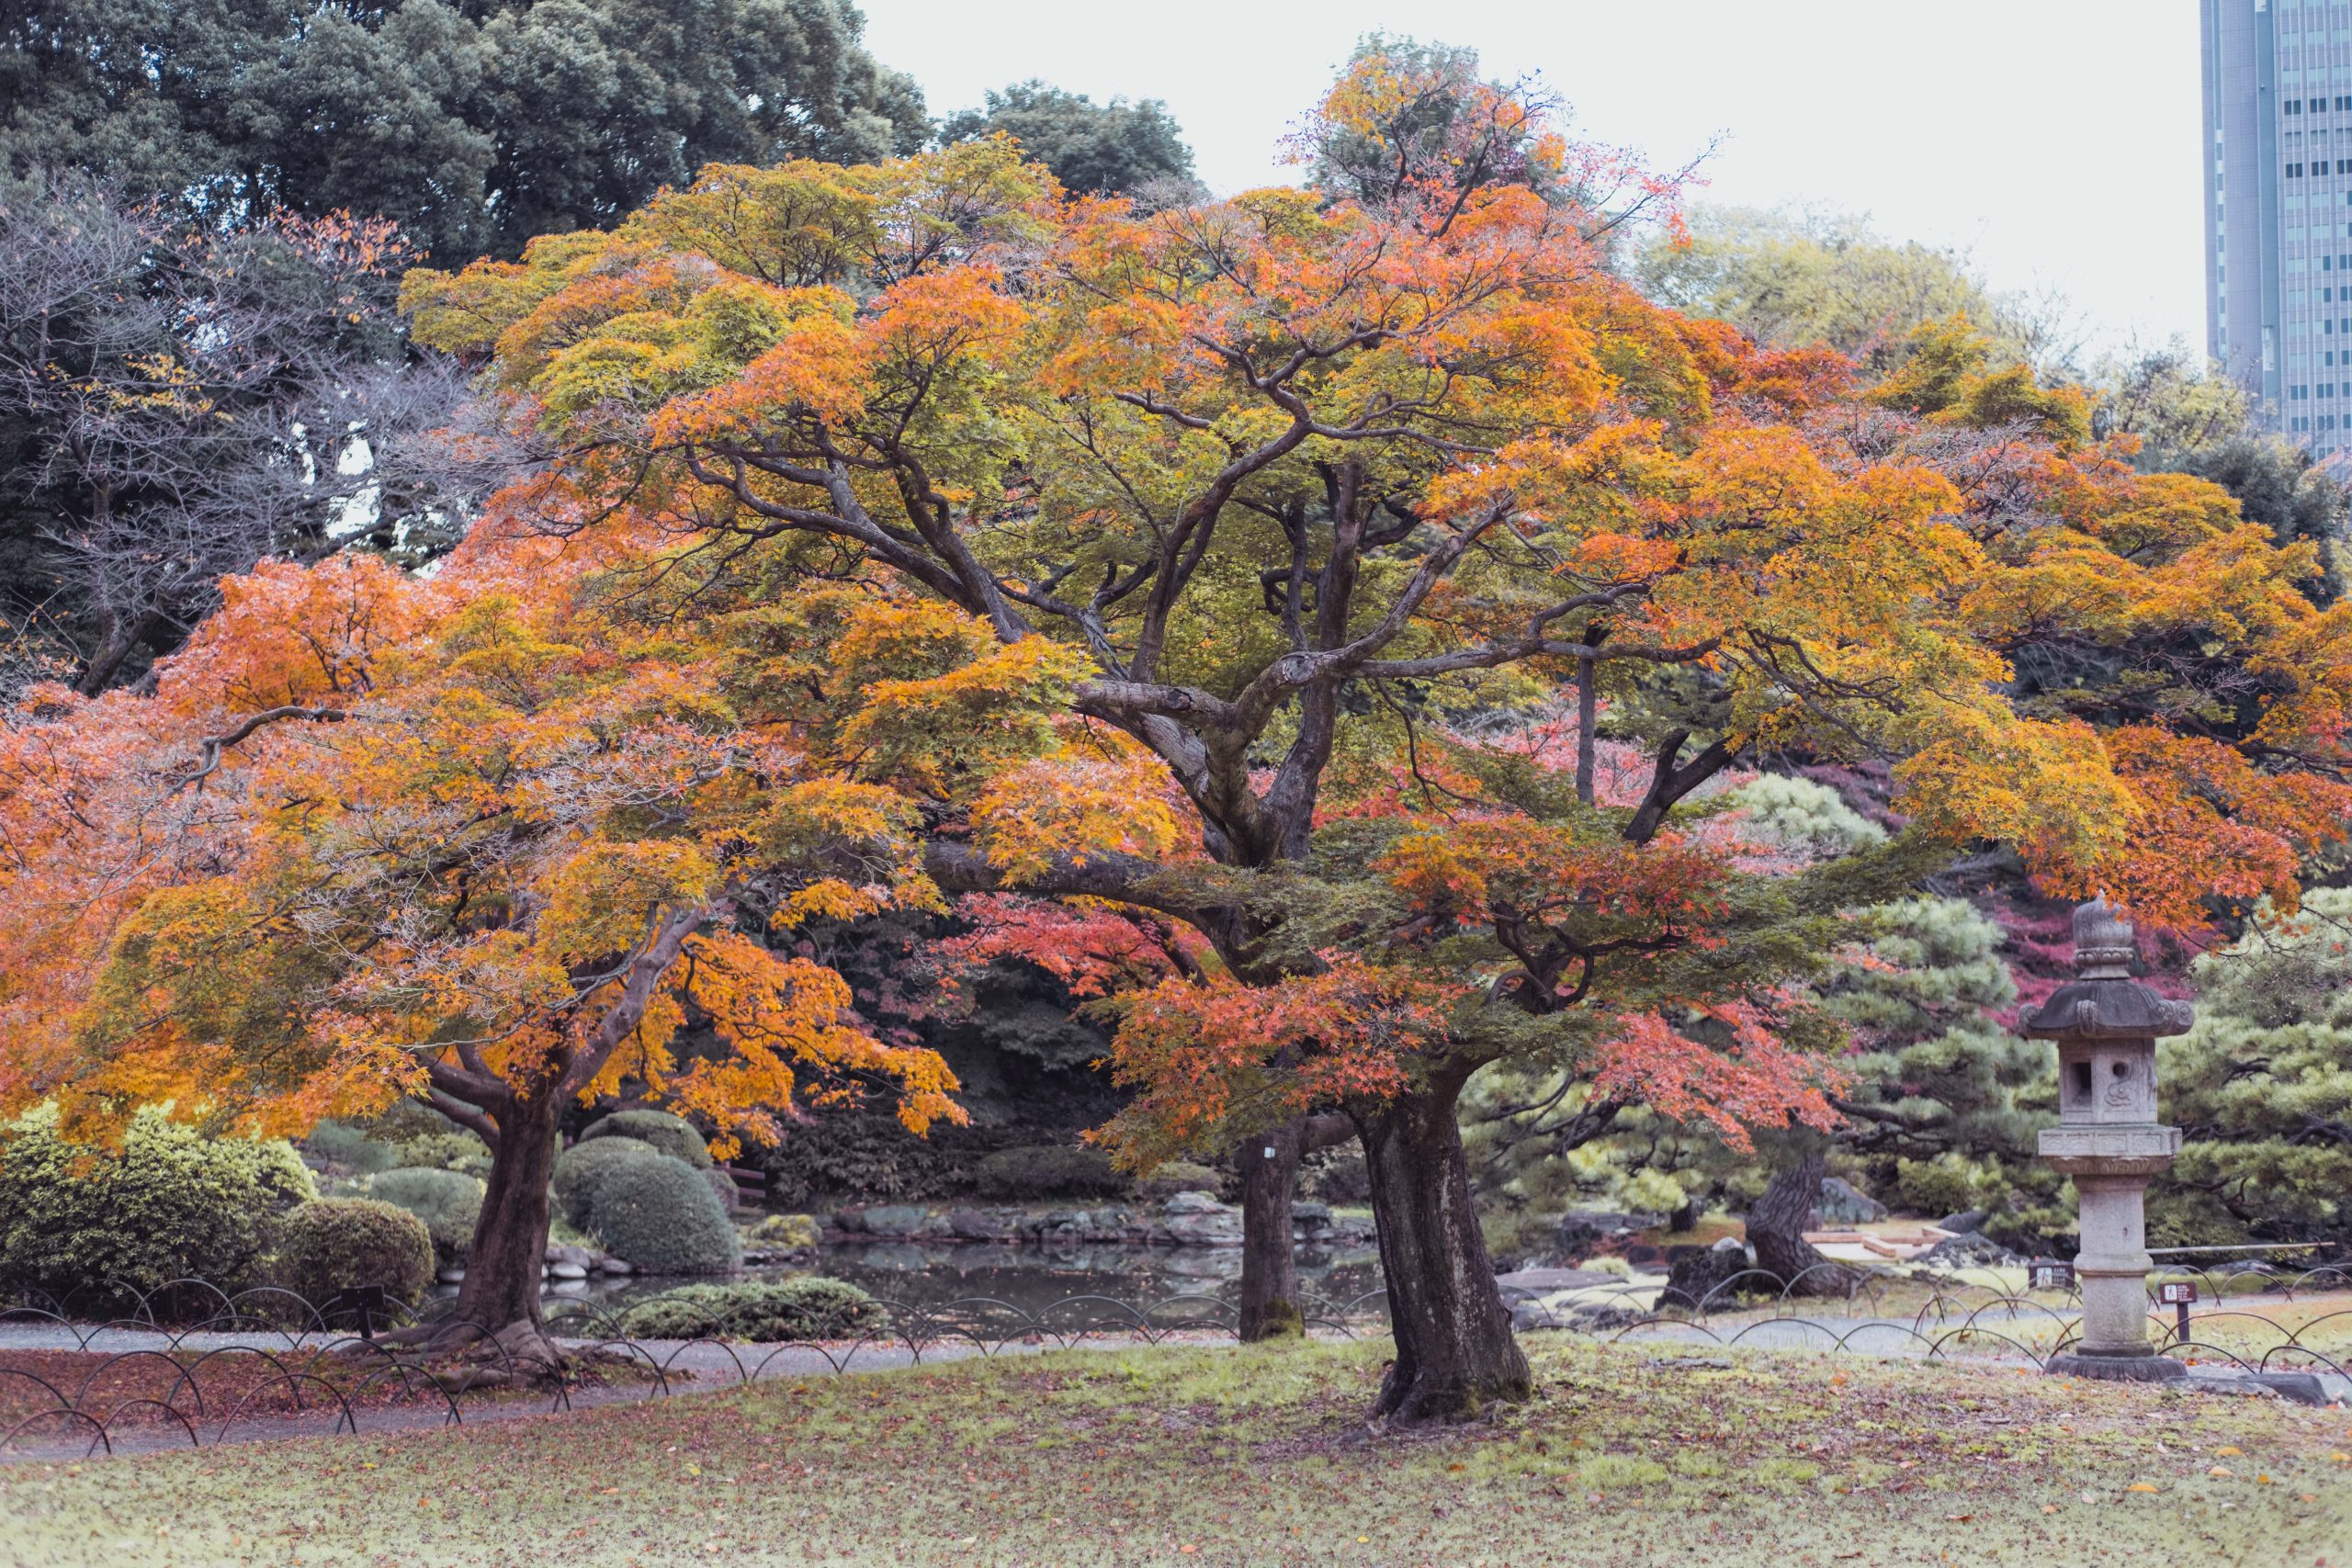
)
(2139, 1486)
(2218, 1470)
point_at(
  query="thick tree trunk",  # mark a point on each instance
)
(1268, 1264)
(1776, 1230)
(502, 1272)
(1455, 1353)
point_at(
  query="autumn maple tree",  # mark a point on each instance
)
(486, 840)
(1332, 489)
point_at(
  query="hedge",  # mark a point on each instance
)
(805, 1308)
(176, 1202)
(662, 1216)
(673, 1135)
(328, 1244)
(448, 1203)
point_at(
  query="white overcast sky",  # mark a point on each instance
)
(2055, 140)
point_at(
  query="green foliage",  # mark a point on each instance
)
(1798, 279)
(660, 1214)
(1113, 149)
(476, 126)
(1179, 1176)
(448, 1202)
(340, 1144)
(580, 1167)
(805, 1308)
(671, 1135)
(1050, 1171)
(2262, 1087)
(452, 1150)
(178, 1201)
(1802, 815)
(331, 1243)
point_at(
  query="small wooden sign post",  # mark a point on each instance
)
(2180, 1294)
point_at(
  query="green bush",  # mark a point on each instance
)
(1178, 1176)
(176, 1202)
(662, 1215)
(722, 1187)
(330, 1243)
(448, 1203)
(1934, 1187)
(338, 1142)
(805, 1308)
(453, 1150)
(1050, 1171)
(579, 1167)
(673, 1135)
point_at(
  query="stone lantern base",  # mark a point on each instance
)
(2145, 1366)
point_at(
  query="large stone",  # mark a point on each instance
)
(1219, 1229)
(560, 1255)
(974, 1224)
(1305, 1213)
(567, 1269)
(1966, 1222)
(894, 1219)
(1192, 1204)
(1970, 1250)
(1841, 1204)
(615, 1266)
(1696, 1277)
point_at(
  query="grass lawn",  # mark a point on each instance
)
(1629, 1455)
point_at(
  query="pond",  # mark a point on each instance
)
(1030, 1277)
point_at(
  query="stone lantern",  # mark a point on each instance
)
(2108, 1140)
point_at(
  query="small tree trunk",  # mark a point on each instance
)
(1776, 1230)
(1268, 1264)
(502, 1272)
(1588, 712)
(1455, 1353)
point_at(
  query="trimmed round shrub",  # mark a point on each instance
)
(805, 1308)
(662, 1216)
(176, 1201)
(1050, 1171)
(448, 1203)
(579, 1167)
(673, 1135)
(329, 1242)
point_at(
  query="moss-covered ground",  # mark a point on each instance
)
(1628, 1455)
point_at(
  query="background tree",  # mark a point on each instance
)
(2190, 418)
(2262, 1087)
(1798, 279)
(178, 405)
(473, 126)
(1113, 149)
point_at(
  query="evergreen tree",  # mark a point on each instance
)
(475, 125)
(2262, 1087)
(1113, 149)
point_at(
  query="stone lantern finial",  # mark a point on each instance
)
(2104, 944)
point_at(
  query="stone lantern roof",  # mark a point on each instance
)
(2103, 1002)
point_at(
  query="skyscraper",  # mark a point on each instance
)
(2278, 251)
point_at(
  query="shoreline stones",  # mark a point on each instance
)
(1183, 1220)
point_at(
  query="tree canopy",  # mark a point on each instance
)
(473, 126)
(1113, 149)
